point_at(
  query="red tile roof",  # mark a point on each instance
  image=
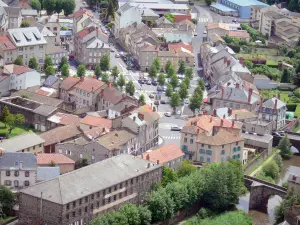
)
(6, 44)
(3, 77)
(42, 92)
(64, 119)
(69, 83)
(89, 84)
(16, 69)
(164, 154)
(180, 45)
(47, 159)
(85, 31)
(96, 122)
(80, 12)
(112, 94)
(178, 18)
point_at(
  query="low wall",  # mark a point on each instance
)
(255, 161)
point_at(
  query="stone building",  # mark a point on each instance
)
(81, 195)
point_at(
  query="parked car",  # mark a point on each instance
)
(141, 81)
(117, 55)
(156, 102)
(162, 102)
(164, 88)
(159, 88)
(149, 82)
(176, 128)
(154, 83)
(151, 96)
(167, 114)
(111, 50)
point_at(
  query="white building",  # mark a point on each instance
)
(17, 169)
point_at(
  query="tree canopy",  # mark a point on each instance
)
(121, 82)
(48, 62)
(285, 148)
(19, 61)
(153, 71)
(81, 70)
(105, 62)
(33, 63)
(142, 100)
(65, 70)
(130, 88)
(181, 69)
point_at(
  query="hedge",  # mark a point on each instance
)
(291, 106)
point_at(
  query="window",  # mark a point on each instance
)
(98, 204)
(85, 209)
(208, 160)
(202, 145)
(239, 148)
(191, 141)
(74, 214)
(16, 173)
(26, 183)
(86, 199)
(92, 196)
(115, 197)
(185, 140)
(80, 201)
(103, 202)
(103, 192)
(201, 159)
(79, 212)
(98, 195)
(208, 152)
(209, 146)
(74, 204)
(202, 151)
(26, 173)
(80, 156)
(222, 146)
(67, 216)
(16, 183)
(236, 143)
(7, 173)
(120, 195)
(109, 200)
(109, 190)
(234, 149)
(223, 152)
(92, 206)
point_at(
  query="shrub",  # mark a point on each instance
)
(271, 169)
(291, 106)
(297, 111)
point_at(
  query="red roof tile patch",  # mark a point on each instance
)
(85, 32)
(80, 12)
(42, 92)
(47, 159)
(96, 122)
(6, 44)
(180, 45)
(89, 84)
(16, 69)
(239, 34)
(112, 95)
(64, 119)
(69, 83)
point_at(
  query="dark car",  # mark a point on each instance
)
(162, 102)
(175, 128)
(159, 88)
(156, 102)
(154, 83)
(141, 81)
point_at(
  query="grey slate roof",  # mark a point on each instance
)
(90, 179)
(11, 160)
(50, 80)
(27, 36)
(236, 95)
(45, 110)
(13, 11)
(271, 102)
(47, 173)
(21, 142)
(29, 12)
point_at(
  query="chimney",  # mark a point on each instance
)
(21, 165)
(102, 44)
(103, 129)
(232, 124)
(92, 89)
(214, 112)
(275, 105)
(141, 116)
(97, 45)
(116, 134)
(95, 77)
(134, 118)
(82, 78)
(229, 111)
(237, 85)
(222, 122)
(235, 116)
(148, 166)
(261, 103)
(244, 64)
(142, 156)
(250, 95)
(116, 115)
(157, 162)
(241, 60)
(154, 109)
(148, 157)
(210, 120)
(222, 92)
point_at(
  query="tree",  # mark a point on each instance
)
(19, 61)
(65, 71)
(5, 114)
(170, 17)
(115, 72)
(186, 168)
(161, 79)
(48, 62)
(169, 90)
(285, 148)
(49, 71)
(145, 215)
(7, 200)
(201, 84)
(175, 100)
(19, 118)
(195, 102)
(189, 73)
(110, 10)
(174, 81)
(153, 71)
(59, 6)
(168, 176)
(167, 66)
(142, 100)
(98, 71)
(285, 78)
(171, 71)
(183, 91)
(35, 4)
(130, 88)
(24, 24)
(278, 159)
(181, 69)
(121, 82)
(11, 121)
(297, 92)
(63, 61)
(131, 212)
(271, 169)
(187, 81)
(64, 28)
(178, 194)
(81, 70)
(105, 78)
(156, 62)
(33, 63)
(68, 7)
(105, 62)
(49, 6)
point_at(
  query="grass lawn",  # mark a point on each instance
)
(284, 95)
(15, 132)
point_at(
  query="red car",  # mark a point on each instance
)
(71, 57)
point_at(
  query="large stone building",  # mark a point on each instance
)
(79, 196)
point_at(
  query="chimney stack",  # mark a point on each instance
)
(241, 60)
(134, 118)
(228, 62)
(109, 84)
(250, 95)
(97, 33)
(222, 92)
(222, 122)
(275, 105)
(157, 162)
(232, 124)
(102, 44)
(102, 93)
(229, 111)
(237, 85)
(261, 103)
(21, 165)
(154, 109)
(214, 112)
(148, 157)
(210, 120)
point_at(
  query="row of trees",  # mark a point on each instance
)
(216, 186)
(54, 6)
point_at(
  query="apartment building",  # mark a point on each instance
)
(56, 53)
(81, 195)
(29, 43)
(211, 139)
(89, 45)
(47, 34)
(52, 24)
(233, 30)
(14, 17)
(8, 51)
(82, 19)
(17, 170)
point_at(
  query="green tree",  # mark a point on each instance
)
(63, 61)
(49, 6)
(131, 212)
(297, 92)
(156, 62)
(24, 24)
(5, 114)
(130, 88)
(181, 69)
(145, 215)
(105, 78)
(187, 81)
(278, 160)
(7, 200)
(178, 194)
(285, 78)
(171, 71)
(161, 79)
(11, 122)
(195, 102)
(174, 81)
(19, 118)
(65, 71)
(48, 62)
(64, 28)
(175, 101)
(68, 7)
(142, 100)
(169, 90)
(98, 71)
(183, 91)
(189, 73)
(285, 148)
(35, 4)
(115, 72)
(33, 64)
(81, 70)
(105, 62)
(271, 169)
(121, 82)
(168, 176)
(59, 6)
(49, 71)
(170, 17)
(167, 66)
(19, 61)
(186, 168)
(153, 71)
(201, 84)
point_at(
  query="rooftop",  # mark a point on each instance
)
(17, 161)
(96, 121)
(259, 138)
(158, 6)
(6, 44)
(222, 7)
(89, 84)
(21, 142)
(27, 36)
(55, 50)
(44, 173)
(221, 137)
(87, 180)
(112, 94)
(247, 2)
(64, 119)
(16, 69)
(68, 83)
(58, 159)
(270, 103)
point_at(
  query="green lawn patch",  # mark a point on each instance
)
(297, 111)
(15, 132)
(284, 95)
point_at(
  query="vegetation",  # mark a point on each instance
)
(142, 100)
(175, 101)
(65, 70)
(51, 6)
(153, 71)
(48, 62)
(167, 66)
(285, 148)
(105, 78)
(81, 70)
(171, 71)
(121, 82)
(169, 90)
(186, 168)
(63, 61)
(130, 88)
(208, 2)
(49, 70)
(254, 34)
(7, 201)
(161, 79)
(290, 200)
(115, 72)
(35, 4)
(181, 69)
(12, 120)
(156, 63)
(170, 17)
(33, 63)
(19, 61)
(174, 81)
(98, 71)
(183, 91)
(105, 62)
(24, 24)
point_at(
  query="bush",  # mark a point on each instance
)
(297, 111)
(271, 169)
(291, 106)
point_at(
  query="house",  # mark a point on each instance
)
(211, 139)
(62, 119)
(28, 142)
(52, 24)
(47, 34)
(88, 122)
(30, 43)
(120, 109)
(7, 51)
(56, 53)
(46, 173)
(169, 155)
(89, 45)
(14, 17)
(89, 191)
(82, 19)
(273, 110)
(144, 122)
(59, 135)
(64, 163)
(259, 142)
(233, 30)
(17, 170)
(21, 77)
(3, 20)
(29, 13)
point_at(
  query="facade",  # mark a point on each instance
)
(89, 45)
(29, 142)
(169, 155)
(211, 139)
(17, 170)
(29, 43)
(64, 163)
(52, 24)
(8, 51)
(79, 196)
(56, 53)
(233, 30)
(14, 17)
